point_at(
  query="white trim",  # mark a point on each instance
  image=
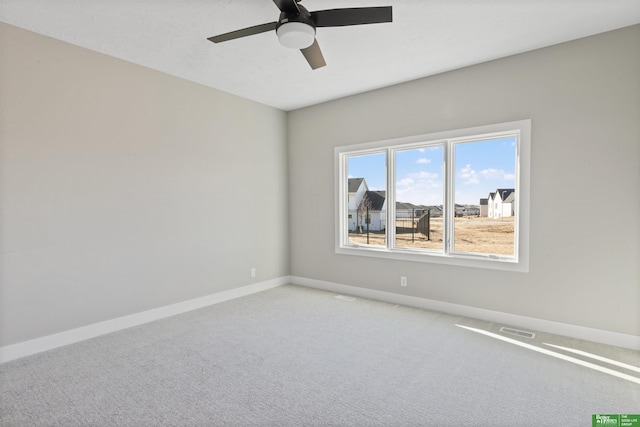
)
(548, 326)
(49, 342)
(460, 260)
(519, 263)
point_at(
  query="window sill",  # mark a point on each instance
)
(460, 260)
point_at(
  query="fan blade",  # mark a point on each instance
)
(287, 6)
(257, 29)
(313, 55)
(351, 16)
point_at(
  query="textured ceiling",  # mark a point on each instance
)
(426, 37)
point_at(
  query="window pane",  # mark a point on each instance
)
(485, 196)
(419, 198)
(367, 207)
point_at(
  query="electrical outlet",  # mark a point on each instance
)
(253, 272)
(403, 280)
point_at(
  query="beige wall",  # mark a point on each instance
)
(125, 189)
(584, 101)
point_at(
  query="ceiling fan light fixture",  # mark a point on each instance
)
(296, 26)
(296, 35)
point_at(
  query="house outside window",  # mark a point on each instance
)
(424, 198)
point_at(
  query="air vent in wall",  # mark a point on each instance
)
(517, 332)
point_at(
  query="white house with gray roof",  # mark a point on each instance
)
(358, 190)
(501, 203)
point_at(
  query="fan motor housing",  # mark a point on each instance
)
(304, 17)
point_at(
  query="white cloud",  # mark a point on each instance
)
(469, 175)
(423, 160)
(405, 182)
(471, 185)
(468, 197)
(497, 174)
(490, 173)
(420, 188)
(423, 175)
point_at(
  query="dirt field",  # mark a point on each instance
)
(480, 235)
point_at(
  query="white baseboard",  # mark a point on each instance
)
(49, 342)
(548, 326)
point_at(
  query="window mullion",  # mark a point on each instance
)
(391, 199)
(449, 209)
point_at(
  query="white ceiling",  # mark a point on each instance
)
(426, 37)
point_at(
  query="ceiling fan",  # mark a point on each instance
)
(296, 26)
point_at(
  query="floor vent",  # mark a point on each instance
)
(345, 298)
(517, 332)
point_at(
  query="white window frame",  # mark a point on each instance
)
(519, 262)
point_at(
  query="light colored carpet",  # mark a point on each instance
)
(297, 356)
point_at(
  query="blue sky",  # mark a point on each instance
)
(480, 168)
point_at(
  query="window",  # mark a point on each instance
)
(459, 197)
(366, 215)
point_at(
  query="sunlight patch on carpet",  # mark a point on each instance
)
(556, 355)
